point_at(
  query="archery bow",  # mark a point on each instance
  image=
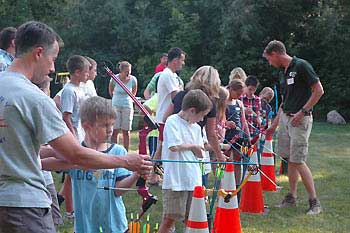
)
(142, 190)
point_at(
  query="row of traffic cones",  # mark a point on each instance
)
(227, 217)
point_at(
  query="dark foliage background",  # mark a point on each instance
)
(221, 33)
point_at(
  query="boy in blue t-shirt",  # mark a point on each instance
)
(97, 209)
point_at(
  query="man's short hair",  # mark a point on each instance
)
(252, 80)
(196, 99)
(35, 34)
(275, 46)
(6, 36)
(76, 62)
(175, 53)
(97, 108)
(163, 55)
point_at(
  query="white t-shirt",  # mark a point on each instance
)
(181, 176)
(167, 83)
(88, 88)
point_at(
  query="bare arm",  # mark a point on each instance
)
(54, 164)
(67, 118)
(146, 94)
(196, 149)
(213, 139)
(168, 112)
(111, 88)
(134, 89)
(69, 148)
(128, 182)
(244, 121)
(316, 93)
(57, 100)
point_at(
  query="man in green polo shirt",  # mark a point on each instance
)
(301, 90)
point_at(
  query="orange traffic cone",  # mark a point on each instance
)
(227, 217)
(251, 197)
(268, 167)
(197, 220)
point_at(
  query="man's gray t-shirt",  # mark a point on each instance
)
(28, 119)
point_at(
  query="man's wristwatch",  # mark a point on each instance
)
(306, 112)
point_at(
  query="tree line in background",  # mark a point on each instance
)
(223, 33)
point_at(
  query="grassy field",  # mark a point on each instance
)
(329, 161)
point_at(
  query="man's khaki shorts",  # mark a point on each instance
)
(176, 204)
(293, 141)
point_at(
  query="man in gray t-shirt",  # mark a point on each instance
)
(28, 119)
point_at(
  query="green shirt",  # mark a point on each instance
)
(151, 86)
(296, 85)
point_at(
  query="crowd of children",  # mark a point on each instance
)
(201, 120)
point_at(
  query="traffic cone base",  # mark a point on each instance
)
(266, 184)
(197, 221)
(230, 216)
(227, 219)
(251, 198)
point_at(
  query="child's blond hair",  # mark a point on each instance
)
(267, 94)
(96, 108)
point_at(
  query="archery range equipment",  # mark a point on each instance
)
(197, 220)
(147, 198)
(227, 218)
(251, 197)
(268, 166)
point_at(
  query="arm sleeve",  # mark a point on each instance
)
(46, 121)
(171, 134)
(309, 73)
(68, 100)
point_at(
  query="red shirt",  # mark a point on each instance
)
(159, 68)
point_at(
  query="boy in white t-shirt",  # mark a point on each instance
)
(182, 141)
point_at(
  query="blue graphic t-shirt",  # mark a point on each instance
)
(98, 208)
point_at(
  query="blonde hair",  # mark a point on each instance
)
(122, 65)
(267, 93)
(96, 108)
(237, 73)
(222, 102)
(206, 78)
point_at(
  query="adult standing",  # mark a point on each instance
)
(168, 86)
(301, 90)
(7, 47)
(29, 119)
(123, 103)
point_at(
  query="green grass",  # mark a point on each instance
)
(329, 155)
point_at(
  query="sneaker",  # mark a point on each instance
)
(315, 207)
(287, 202)
(69, 215)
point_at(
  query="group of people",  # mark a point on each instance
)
(202, 120)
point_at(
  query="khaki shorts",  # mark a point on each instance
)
(293, 142)
(29, 220)
(176, 204)
(123, 119)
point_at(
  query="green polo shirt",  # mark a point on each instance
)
(296, 85)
